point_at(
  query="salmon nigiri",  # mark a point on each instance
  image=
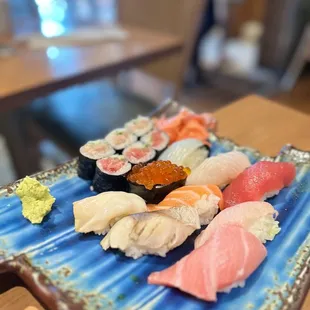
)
(262, 180)
(229, 257)
(257, 217)
(205, 198)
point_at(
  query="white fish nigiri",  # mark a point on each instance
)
(153, 233)
(187, 153)
(98, 213)
(257, 217)
(219, 170)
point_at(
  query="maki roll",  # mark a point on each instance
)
(120, 138)
(154, 181)
(157, 139)
(140, 125)
(110, 174)
(139, 153)
(89, 154)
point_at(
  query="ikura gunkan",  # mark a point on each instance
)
(89, 154)
(110, 174)
(140, 125)
(120, 139)
(157, 139)
(156, 179)
(139, 153)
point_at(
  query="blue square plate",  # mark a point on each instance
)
(67, 270)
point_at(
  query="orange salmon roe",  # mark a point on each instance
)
(161, 172)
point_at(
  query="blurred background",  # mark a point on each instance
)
(71, 70)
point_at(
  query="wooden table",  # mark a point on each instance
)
(252, 121)
(263, 124)
(35, 73)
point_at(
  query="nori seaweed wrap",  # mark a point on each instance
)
(140, 125)
(111, 174)
(157, 193)
(154, 181)
(89, 154)
(120, 138)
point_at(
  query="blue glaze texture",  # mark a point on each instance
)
(77, 262)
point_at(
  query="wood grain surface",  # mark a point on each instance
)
(263, 124)
(18, 298)
(185, 24)
(43, 71)
(241, 12)
(252, 121)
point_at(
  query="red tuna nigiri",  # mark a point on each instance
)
(228, 257)
(262, 180)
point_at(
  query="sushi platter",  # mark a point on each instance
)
(163, 213)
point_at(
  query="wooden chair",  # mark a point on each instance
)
(299, 59)
(286, 40)
(178, 17)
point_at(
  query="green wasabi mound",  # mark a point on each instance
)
(36, 199)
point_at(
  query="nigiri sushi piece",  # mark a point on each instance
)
(153, 233)
(223, 262)
(187, 153)
(205, 198)
(261, 181)
(98, 213)
(219, 170)
(255, 216)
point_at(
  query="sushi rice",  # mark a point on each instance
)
(123, 170)
(139, 153)
(269, 195)
(110, 174)
(207, 208)
(96, 149)
(157, 139)
(120, 138)
(89, 153)
(140, 125)
(230, 287)
(265, 228)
